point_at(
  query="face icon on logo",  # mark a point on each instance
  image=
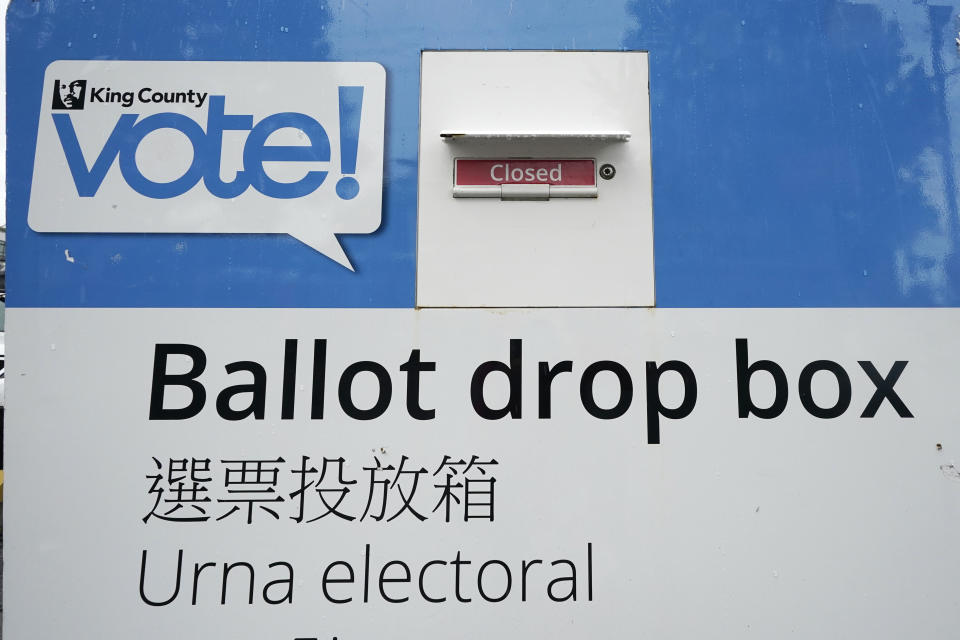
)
(69, 95)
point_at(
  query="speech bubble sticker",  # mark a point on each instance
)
(211, 147)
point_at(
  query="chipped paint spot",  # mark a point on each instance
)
(70, 258)
(950, 471)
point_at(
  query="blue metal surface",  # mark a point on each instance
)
(805, 152)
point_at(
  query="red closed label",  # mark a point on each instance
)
(472, 172)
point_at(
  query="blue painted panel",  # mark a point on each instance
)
(805, 152)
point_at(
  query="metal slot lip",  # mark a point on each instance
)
(524, 191)
(597, 136)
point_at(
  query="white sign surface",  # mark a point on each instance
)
(211, 147)
(436, 474)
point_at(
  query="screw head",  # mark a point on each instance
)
(607, 171)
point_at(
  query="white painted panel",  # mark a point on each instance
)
(793, 526)
(540, 104)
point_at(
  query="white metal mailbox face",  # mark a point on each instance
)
(507, 213)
